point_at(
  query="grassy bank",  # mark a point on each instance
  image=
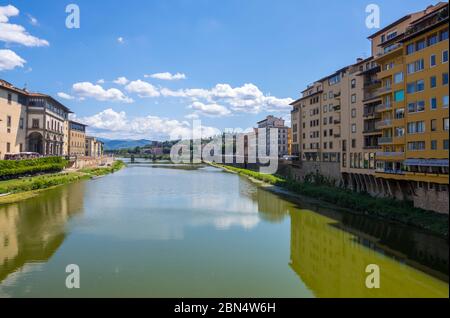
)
(383, 208)
(24, 188)
(101, 171)
(13, 169)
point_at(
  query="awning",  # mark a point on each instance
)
(426, 162)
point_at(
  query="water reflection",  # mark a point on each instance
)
(332, 263)
(31, 231)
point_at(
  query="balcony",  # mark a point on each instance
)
(390, 171)
(383, 107)
(389, 154)
(337, 108)
(437, 17)
(370, 83)
(371, 96)
(390, 49)
(384, 123)
(383, 90)
(337, 121)
(385, 140)
(337, 95)
(337, 135)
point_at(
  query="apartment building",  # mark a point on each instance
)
(77, 139)
(384, 119)
(414, 116)
(283, 132)
(12, 119)
(93, 147)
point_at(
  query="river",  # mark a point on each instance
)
(168, 231)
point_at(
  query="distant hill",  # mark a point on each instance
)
(116, 144)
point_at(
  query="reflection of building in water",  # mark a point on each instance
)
(32, 230)
(332, 263)
(271, 207)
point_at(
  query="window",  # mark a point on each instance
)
(445, 122)
(325, 108)
(8, 147)
(444, 78)
(420, 85)
(433, 103)
(411, 88)
(400, 113)
(420, 45)
(398, 77)
(433, 145)
(432, 81)
(445, 101)
(410, 49)
(445, 56)
(353, 128)
(415, 66)
(416, 127)
(353, 112)
(420, 106)
(443, 35)
(353, 83)
(432, 60)
(8, 121)
(35, 123)
(354, 98)
(399, 96)
(353, 143)
(445, 144)
(416, 145)
(21, 125)
(433, 125)
(9, 98)
(432, 39)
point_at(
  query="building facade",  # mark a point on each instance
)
(77, 139)
(13, 120)
(283, 132)
(384, 120)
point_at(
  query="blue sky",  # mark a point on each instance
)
(236, 60)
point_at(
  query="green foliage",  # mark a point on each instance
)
(117, 165)
(10, 169)
(39, 182)
(362, 203)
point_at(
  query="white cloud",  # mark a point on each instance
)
(166, 76)
(14, 33)
(213, 110)
(33, 21)
(65, 95)
(10, 60)
(247, 98)
(101, 81)
(121, 81)
(120, 40)
(89, 90)
(143, 89)
(112, 124)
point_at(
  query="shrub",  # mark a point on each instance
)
(11, 169)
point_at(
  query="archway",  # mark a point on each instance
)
(35, 143)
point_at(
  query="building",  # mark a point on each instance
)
(13, 125)
(381, 125)
(35, 122)
(93, 147)
(282, 138)
(77, 139)
(414, 110)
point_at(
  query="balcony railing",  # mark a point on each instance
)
(337, 107)
(391, 48)
(371, 83)
(383, 107)
(385, 140)
(390, 171)
(383, 123)
(439, 16)
(384, 89)
(389, 154)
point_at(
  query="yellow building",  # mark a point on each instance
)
(414, 109)
(77, 139)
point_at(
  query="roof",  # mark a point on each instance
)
(6, 85)
(76, 122)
